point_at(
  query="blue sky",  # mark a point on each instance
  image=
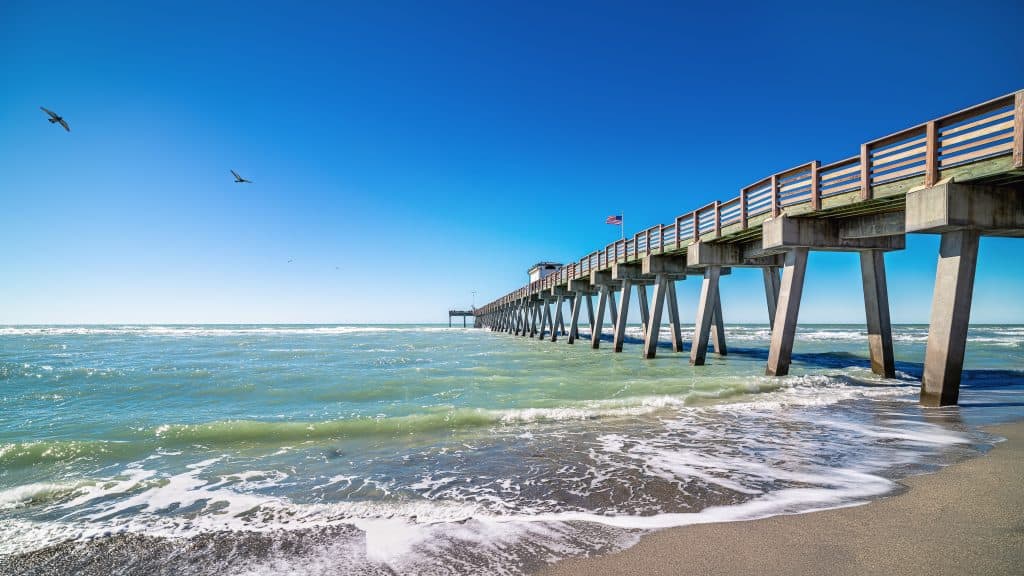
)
(407, 153)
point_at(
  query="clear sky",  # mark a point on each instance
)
(406, 153)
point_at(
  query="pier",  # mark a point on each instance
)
(464, 314)
(960, 176)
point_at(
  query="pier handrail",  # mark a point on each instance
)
(979, 133)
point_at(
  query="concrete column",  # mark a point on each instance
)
(590, 311)
(612, 307)
(641, 293)
(705, 312)
(784, 328)
(556, 324)
(561, 320)
(771, 291)
(598, 319)
(574, 323)
(876, 309)
(951, 312)
(534, 314)
(673, 317)
(718, 327)
(545, 318)
(620, 321)
(654, 322)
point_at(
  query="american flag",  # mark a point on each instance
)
(616, 219)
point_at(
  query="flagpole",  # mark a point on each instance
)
(622, 224)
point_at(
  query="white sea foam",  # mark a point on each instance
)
(24, 494)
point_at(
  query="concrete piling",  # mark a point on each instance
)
(876, 308)
(718, 327)
(556, 324)
(784, 330)
(771, 291)
(705, 311)
(597, 321)
(574, 323)
(673, 317)
(645, 313)
(653, 326)
(620, 321)
(951, 312)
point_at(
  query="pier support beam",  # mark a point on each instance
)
(645, 313)
(620, 321)
(961, 213)
(629, 275)
(705, 312)
(876, 308)
(669, 267)
(606, 300)
(597, 320)
(560, 322)
(845, 235)
(557, 325)
(545, 318)
(718, 327)
(771, 291)
(784, 329)
(673, 317)
(653, 329)
(590, 311)
(612, 306)
(951, 311)
(574, 323)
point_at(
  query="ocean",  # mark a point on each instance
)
(422, 449)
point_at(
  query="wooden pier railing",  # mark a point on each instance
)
(985, 140)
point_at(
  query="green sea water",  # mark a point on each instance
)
(423, 449)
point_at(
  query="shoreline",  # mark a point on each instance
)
(967, 518)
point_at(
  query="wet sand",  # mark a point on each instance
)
(965, 519)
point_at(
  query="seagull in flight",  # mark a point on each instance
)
(238, 179)
(56, 119)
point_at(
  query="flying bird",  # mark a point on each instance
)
(238, 179)
(56, 119)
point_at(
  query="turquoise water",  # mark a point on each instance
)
(424, 449)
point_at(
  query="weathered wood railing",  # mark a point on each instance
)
(924, 152)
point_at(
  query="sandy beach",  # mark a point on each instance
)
(965, 519)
